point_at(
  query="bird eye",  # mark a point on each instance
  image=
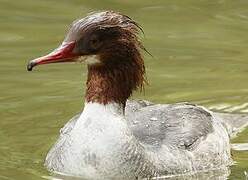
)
(94, 43)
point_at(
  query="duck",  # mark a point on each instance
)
(117, 138)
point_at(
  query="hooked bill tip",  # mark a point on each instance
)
(30, 66)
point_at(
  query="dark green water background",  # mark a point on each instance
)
(200, 50)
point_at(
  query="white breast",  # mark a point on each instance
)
(95, 141)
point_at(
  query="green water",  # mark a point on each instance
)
(200, 51)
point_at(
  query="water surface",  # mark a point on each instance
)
(200, 53)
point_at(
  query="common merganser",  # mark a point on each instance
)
(118, 139)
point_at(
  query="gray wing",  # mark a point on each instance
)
(182, 125)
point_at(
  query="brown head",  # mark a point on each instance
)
(108, 42)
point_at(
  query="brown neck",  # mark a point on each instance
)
(114, 82)
(105, 86)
